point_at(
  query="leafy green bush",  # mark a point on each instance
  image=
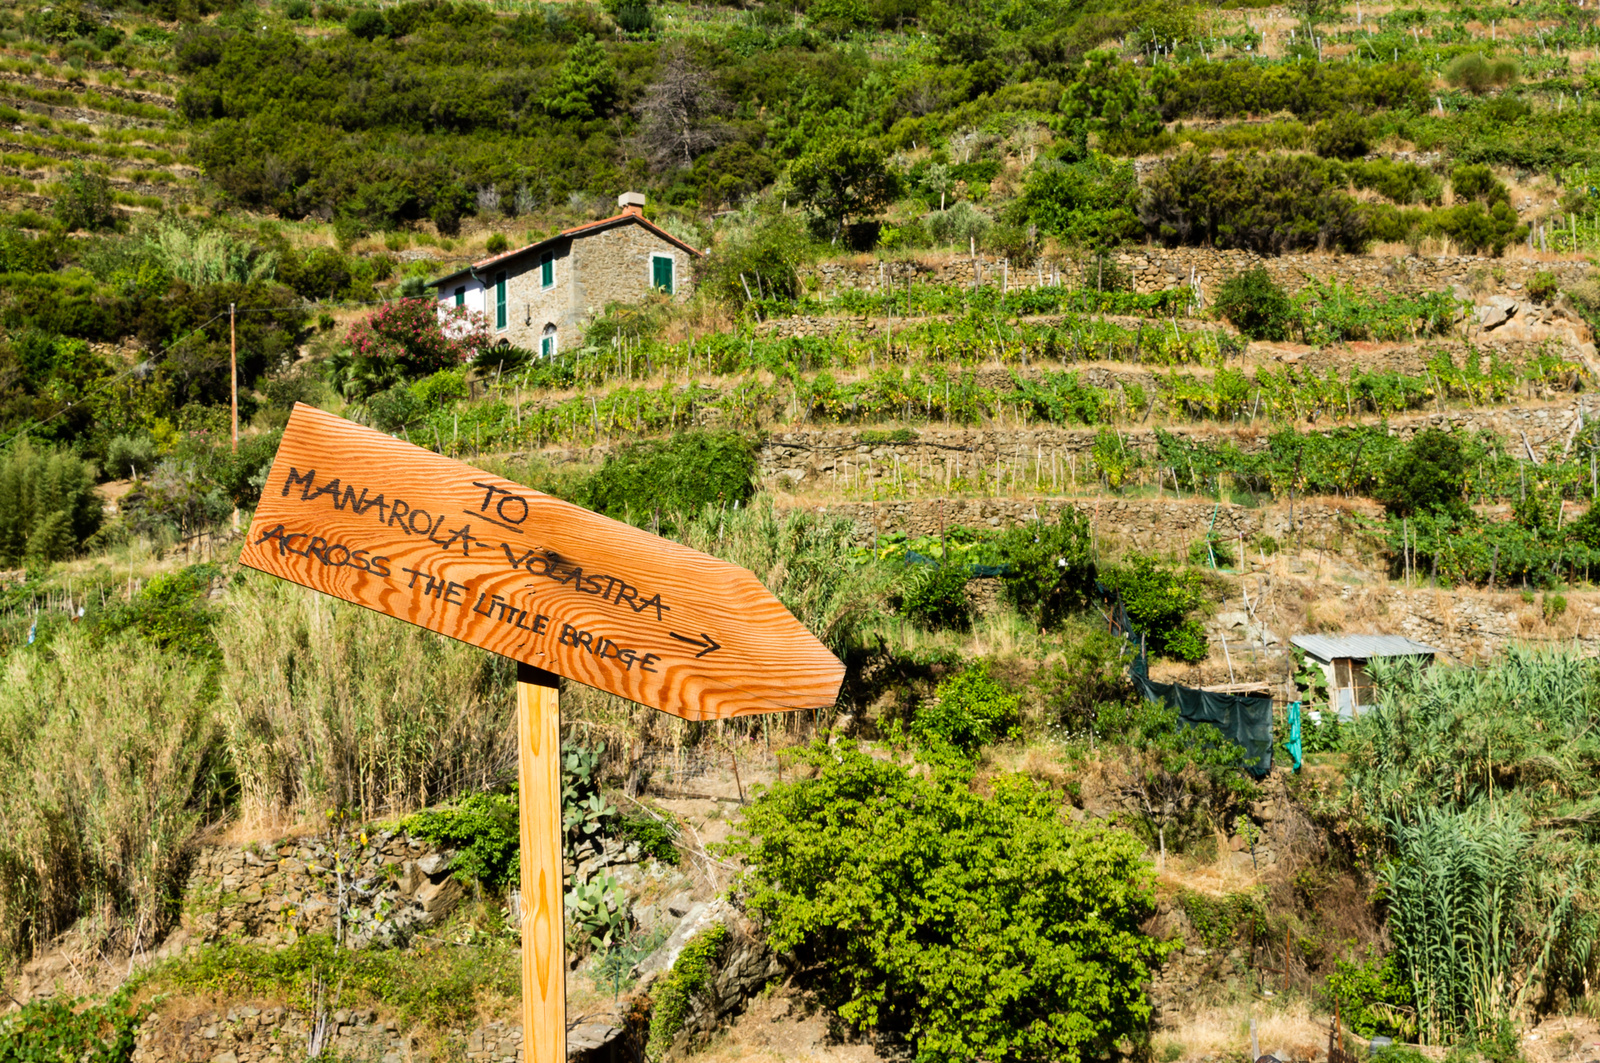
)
(496, 243)
(1428, 477)
(654, 838)
(673, 478)
(84, 201)
(1090, 203)
(671, 999)
(969, 710)
(1049, 566)
(1264, 203)
(1254, 303)
(48, 505)
(975, 926)
(1159, 601)
(935, 597)
(172, 611)
(1478, 183)
(1477, 74)
(482, 828)
(57, 1028)
(764, 257)
(1344, 136)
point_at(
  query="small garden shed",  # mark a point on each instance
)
(1343, 659)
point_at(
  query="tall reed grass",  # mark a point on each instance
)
(1484, 780)
(109, 761)
(326, 704)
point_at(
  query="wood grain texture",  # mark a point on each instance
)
(544, 951)
(376, 521)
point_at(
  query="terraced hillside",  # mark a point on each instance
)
(1242, 322)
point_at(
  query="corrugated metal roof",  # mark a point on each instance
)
(1365, 647)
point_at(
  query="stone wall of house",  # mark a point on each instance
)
(1154, 268)
(590, 270)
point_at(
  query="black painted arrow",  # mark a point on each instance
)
(705, 640)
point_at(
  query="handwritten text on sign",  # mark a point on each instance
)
(379, 522)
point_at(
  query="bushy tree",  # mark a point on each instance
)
(970, 710)
(1108, 97)
(584, 85)
(1091, 203)
(935, 597)
(1428, 477)
(1050, 568)
(1255, 305)
(978, 926)
(1159, 602)
(1264, 203)
(844, 176)
(84, 201)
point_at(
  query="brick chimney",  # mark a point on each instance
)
(631, 203)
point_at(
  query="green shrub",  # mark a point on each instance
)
(58, 1028)
(173, 611)
(1255, 305)
(496, 244)
(48, 505)
(671, 999)
(935, 597)
(1049, 566)
(1478, 183)
(1553, 606)
(1543, 287)
(654, 838)
(969, 711)
(1344, 136)
(673, 478)
(483, 830)
(1159, 601)
(1091, 203)
(969, 923)
(766, 256)
(1428, 477)
(84, 201)
(1270, 204)
(1477, 74)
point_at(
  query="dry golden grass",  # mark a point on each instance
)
(1326, 615)
(1286, 1029)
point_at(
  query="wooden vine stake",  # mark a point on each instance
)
(562, 591)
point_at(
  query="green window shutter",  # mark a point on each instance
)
(661, 274)
(461, 296)
(500, 300)
(544, 347)
(547, 270)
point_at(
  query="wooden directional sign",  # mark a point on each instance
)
(364, 517)
(376, 521)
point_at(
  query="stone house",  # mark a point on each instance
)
(540, 296)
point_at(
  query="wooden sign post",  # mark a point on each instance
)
(565, 592)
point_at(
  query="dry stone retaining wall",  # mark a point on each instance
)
(1155, 268)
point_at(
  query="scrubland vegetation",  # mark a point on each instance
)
(992, 848)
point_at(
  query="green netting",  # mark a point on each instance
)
(1245, 721)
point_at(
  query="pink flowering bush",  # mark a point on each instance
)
(418, 337)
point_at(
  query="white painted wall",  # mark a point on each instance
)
(474, 295)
